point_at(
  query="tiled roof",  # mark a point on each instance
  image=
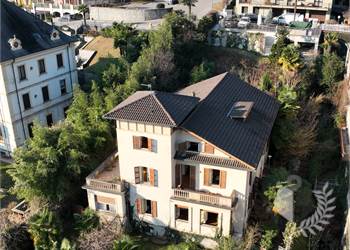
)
(209, 159)
(154, 107)
(34, 34)
(244, 139)
(202, 89)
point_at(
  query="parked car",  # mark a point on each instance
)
(171, 2)
(244, 22)
(230, 22)
(253, 17)
(287, 18)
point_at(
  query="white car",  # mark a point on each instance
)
(244, 22)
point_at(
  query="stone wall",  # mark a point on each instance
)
(127, 15)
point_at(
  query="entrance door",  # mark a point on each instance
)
(185, 176)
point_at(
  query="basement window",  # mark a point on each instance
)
(181, 213)
(209, 218)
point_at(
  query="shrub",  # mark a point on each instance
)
(160, 6)
(86, 221)
(227, 243)
(267, 238)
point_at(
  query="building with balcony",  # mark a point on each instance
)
(37, 72)
(187, 160)
(319, 9)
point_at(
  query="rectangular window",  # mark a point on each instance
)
(26, 101)
(214, 177)
(41, 64)
(143, 175)
(22, 73)
(63, 86)
(181, 213)
(30, 129)
(59, 59)
(209, 218)
(45, 92)
(144, 206)
(193, 146)
(142, 142)
(250, 178)
(65, 109)
(49, 120)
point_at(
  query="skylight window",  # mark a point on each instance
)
(240, 110)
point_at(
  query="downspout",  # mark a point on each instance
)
(19, 103)
(70, 70)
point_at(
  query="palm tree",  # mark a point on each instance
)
(189, 4)
(290, 58)
(330, 41)
(83, 9)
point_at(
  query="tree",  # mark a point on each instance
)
(202, 71)
(67, 245)
(280, 44)
(116, 73)
(205, 24)
(331, 40)
(189, 4)
(290, 58)
(332, 69)
(291, 232)
(83, 9)
(45, 229)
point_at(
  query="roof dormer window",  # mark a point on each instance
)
(15, 43)
(55, 35)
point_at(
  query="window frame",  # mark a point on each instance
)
(41, 65)
(178, 210)
(26, 101)
(59, 62)
(218, 172)
(45, 94)
(30, 129)
(49, 124)
(22, 74)
(206, 223)
(64, 88)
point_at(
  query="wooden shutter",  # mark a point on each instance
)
(208, 148)
(192, 177)
(154, 208)
(222, 179)
(151, 176)
(138, 205)
(137, 175)
(177, 175)
(136, 142)
(182, 146)
(206, 176)
(149, 144)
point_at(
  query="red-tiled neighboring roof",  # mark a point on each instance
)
(154, 107)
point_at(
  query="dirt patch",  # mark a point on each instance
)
(104, 48)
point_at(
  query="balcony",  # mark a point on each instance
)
(203, 197)
(106, 176)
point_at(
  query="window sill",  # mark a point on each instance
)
(143, 149)
(209, 226)
(182, 220)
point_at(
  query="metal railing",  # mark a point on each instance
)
(213, 199)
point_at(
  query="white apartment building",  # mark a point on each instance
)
(187, 160)
(37, 73)
(319, 9)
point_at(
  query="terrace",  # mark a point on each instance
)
(106, 176)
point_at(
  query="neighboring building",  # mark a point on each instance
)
(187, 160)
(320, 9)
(37, 73)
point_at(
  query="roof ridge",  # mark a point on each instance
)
(163, 108)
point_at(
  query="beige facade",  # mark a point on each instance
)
(319, 9)
(189, 196)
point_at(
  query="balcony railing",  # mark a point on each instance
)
(103, 185)
(106, 177)
(213, 199)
